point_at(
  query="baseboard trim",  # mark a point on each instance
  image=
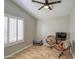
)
(17, 51)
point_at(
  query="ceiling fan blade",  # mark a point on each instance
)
(50, 8)
(41, 8)
(54, 2)
(37, 2)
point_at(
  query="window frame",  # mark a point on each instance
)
(8, 25)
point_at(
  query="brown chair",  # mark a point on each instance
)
(50, 40)
(59, 45)
(62, 52)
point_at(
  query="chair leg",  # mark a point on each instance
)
(60, 54)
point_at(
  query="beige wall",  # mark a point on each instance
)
(29, 26)
(52, 25)
(72, 31)
(72, 25)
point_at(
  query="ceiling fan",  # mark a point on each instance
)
(46, 4)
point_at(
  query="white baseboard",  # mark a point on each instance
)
(17, 51)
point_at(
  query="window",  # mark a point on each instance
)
(20, 29)
(13, 30)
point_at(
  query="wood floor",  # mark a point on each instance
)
(40, 52)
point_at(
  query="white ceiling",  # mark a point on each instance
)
(61, 9)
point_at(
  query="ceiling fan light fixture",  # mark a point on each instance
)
(46, 7)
